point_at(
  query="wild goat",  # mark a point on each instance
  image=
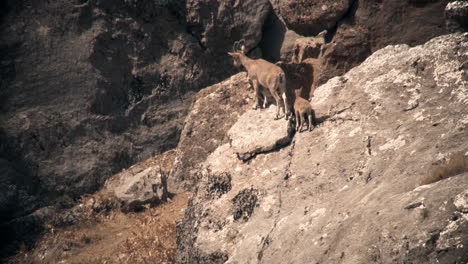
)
(302, 107)
(266, 74)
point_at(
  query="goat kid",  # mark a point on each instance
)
(303, 110)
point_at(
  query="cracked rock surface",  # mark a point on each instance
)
(257, 132)
(349, 191)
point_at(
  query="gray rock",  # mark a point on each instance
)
(215, 110)
(137, 188)
(461, 202)
(256, 132)
(338, 194)
(218, 24)
(456, 16)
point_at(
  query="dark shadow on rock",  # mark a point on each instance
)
(284, 142)
(274, 31)
(20, 190)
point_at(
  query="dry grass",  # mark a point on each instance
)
(110, 236)
(456, 164)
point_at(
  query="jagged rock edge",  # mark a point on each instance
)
(283, 142)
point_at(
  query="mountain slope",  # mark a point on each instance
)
(347, 192)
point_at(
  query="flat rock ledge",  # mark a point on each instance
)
(257, 132)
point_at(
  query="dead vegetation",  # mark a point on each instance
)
(96, 231)
(455, 165)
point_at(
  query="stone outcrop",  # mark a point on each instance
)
(456, 15)
(347, 192)
(218, 24)
(137, 187)
(311, 17)
(257, 132)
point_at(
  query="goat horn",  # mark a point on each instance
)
(234, 46)
(242, 41)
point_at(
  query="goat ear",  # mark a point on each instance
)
(243, 49)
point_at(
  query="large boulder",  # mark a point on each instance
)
(258, 132)
(218, 24)
(137, 187)
(349, 191)
(311, 17)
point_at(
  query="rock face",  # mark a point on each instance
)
(372, 25)
(218, 24)
(91, 87)
(347, 192)
(311, 17)
(355, 29)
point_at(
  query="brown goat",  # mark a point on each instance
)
(268, 75)
(302, 107)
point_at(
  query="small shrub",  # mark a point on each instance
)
(244, 203)
(457, 164)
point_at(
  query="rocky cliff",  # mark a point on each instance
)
(349, 191)
(89, 87)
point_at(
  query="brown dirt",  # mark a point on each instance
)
(147, 237)
(113, 237)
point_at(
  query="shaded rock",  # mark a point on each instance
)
(137, 188)
(456, 16)
(371, 25)
(87, 76)
(218, 24)
(256, 132)
(83, 80)
(277, 40)
(222, 104)
(311, 17)
(350, 47)
(363, 162)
